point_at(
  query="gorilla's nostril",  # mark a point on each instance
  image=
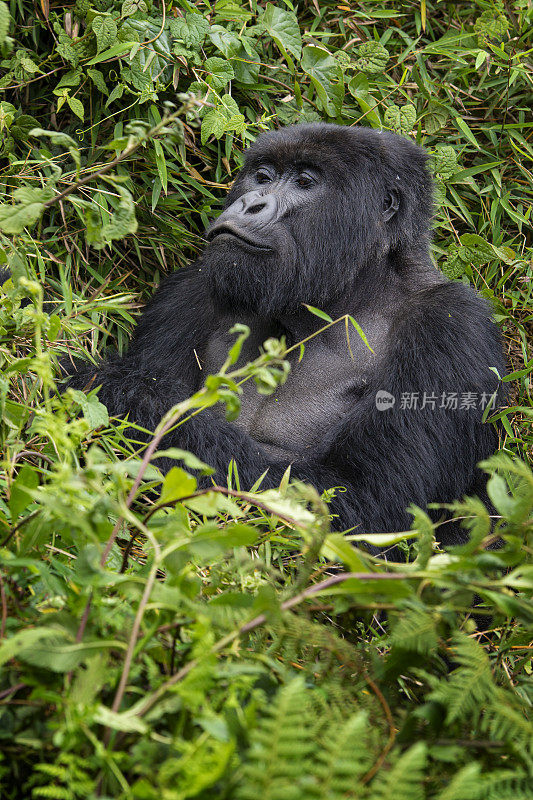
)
(255, 209)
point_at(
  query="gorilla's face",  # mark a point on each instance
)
(313, 205)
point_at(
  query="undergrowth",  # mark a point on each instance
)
(160, 641)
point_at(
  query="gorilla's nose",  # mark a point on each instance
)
(253, 208)
(246, 218)
(258, 204)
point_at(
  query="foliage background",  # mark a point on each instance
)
(218, 646)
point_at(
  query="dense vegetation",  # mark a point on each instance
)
(157, 641)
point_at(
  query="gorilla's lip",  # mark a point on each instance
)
(236, 234)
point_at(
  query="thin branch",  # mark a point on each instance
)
(256, 622)
(23, 85)
(126, 153)
(12, 690)
(247, 498)
(18, 526)
(136, 626)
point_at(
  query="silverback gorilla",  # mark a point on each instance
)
(338, 218)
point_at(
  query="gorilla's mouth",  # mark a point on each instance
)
(226, 230)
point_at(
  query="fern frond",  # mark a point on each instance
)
(300, 638)
(53, 792)
(56, 771)
(512, 787)
(344, 758)
(405, 779)
(282, 747)
(507, 723)
(470, 686)
(416, 630)
(464, 786)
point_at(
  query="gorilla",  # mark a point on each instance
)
(337, 218)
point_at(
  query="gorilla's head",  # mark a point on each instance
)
(314, 209)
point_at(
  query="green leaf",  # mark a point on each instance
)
(401, 120)
(117, 50)
(190, 460)
(405, 779)
(231, 11)
(465, 784)
(105, 29)
(95, 412)
(282, 26)
(491, 24)
(480, 58)
(98, 79)
(7, 114)
(177, 484)
(244, 59)
(229, 105)
(337, 548)
(22, 127)
(236, 123)
(76, 106)
(17, 216)
(318, 313)
(63, 140)
(213, 124)
(210, 541)
(435, 118)
(360, 332)
(461, 124)
(232, 599)
(5, 18)
(132, 6)
(444, 161)
(191, 31)
(22, 490)
(70, 78)
(54, 326)
(57, 653)
(243, 332)
(12, 647)
(122, 222)
(127, 721)
(161, 164)
(116, 94)
(358, 87)
(373, 57)
(219, 72)
(322, 70)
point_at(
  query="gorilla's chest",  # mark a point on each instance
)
(319, 391)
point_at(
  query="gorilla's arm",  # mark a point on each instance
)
(172, 329)
(161, 368)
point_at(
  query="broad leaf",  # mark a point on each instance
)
(282, 26)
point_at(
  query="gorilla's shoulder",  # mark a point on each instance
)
(451, 320)
(456, 299)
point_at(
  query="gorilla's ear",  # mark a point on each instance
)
(391, 204)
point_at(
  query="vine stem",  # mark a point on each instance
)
(150, 450)
(247, 498)
(136, 625)
(256, 622)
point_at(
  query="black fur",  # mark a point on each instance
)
(356, 240)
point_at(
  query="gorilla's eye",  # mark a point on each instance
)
(263, 175)
(304, 180)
